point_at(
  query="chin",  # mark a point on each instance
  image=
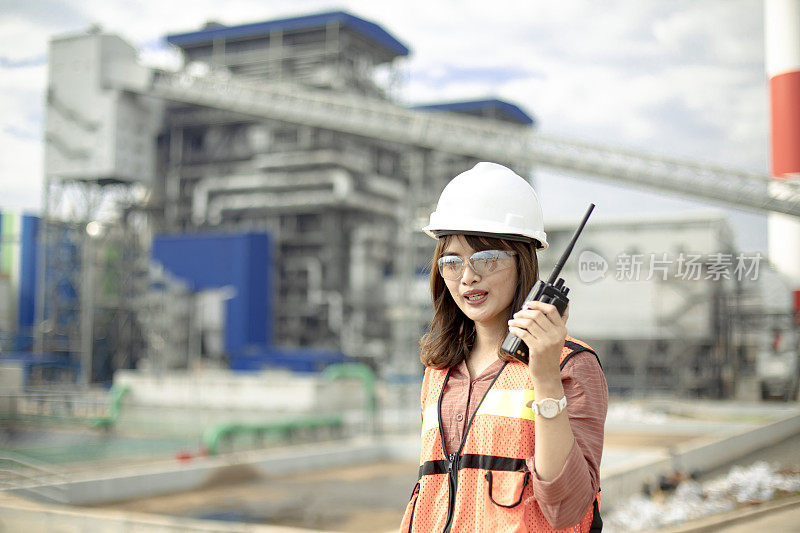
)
(480, 317)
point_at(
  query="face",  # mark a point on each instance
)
(484, 299)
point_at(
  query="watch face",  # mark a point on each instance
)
(548, 407)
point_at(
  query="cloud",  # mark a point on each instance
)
(20, 159)
(600, 70)
(47, 13)
(23, 62)
(22, 104)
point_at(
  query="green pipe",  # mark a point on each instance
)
(114, 410)
(359, 371)
(279, 429)
(8, 239)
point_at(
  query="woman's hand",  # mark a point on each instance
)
(543, 329)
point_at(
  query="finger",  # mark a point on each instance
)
(541, 329)
(522, 323)
(522, 334)
(538, 317)
(536, 304)
(528, 314)
(548, 310)
(546, 333)
(544, 308)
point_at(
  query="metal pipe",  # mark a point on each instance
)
(87, 309)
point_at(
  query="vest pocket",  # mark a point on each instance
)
(508, 486)
(408, 516)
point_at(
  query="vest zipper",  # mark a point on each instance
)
(453, 459)
(452, 478)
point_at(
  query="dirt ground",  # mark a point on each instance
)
(363, 498)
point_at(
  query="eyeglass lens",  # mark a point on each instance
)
(484, 262)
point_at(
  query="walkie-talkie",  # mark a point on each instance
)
(550, 292)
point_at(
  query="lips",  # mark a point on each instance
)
(475, 297)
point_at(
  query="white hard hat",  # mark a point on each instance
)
(489, 200)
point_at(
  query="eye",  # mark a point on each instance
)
(490, 260)
(487, 256)
(450, 263)
(490, 263)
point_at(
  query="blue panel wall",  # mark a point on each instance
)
(28, 276)
(295, 359)
(18, 260)
(242, 261)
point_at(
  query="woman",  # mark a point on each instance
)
(505, 446)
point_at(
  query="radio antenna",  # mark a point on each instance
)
(565, 255)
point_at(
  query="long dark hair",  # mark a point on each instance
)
(451, 334)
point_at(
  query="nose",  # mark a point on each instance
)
(469, 276)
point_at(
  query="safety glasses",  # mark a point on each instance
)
(482, 263)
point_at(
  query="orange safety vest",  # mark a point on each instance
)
(485, 486)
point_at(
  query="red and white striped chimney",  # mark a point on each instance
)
(782, 49)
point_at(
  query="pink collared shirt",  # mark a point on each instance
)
(565, 499)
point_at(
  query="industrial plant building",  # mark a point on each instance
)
(262, 207)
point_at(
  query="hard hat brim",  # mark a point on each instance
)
(538, 244)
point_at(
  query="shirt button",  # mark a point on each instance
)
(459, 417)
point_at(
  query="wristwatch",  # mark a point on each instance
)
(549, 407)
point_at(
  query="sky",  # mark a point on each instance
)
(681, 78)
